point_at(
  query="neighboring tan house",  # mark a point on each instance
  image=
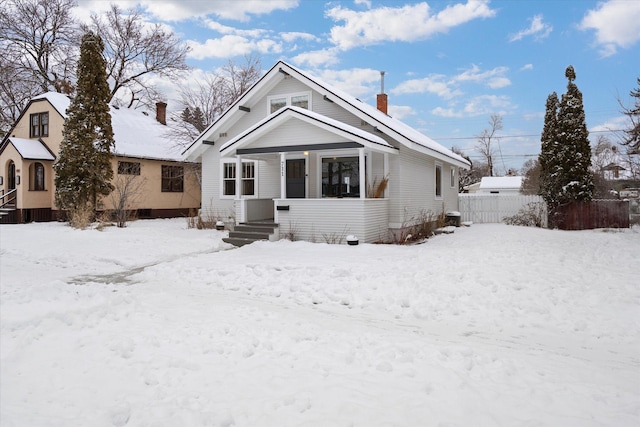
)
(143, 153)
(496, 185)
(297, 152)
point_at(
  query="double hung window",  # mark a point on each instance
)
(248, 178)
(39, 125)
(172, 179)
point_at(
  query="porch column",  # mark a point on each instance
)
(385, 172)
(283, 175)
(361, 170)
(238, 177)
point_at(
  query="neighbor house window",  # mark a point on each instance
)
(248, 178)
(341, 177)
(302, 100)
(128, 168)
(36, 177)
(438, 180)
(39, 125)
(172, 179)
(453, 177)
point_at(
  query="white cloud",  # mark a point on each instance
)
(294, 35)
(366, 3)
(225, 9)
(224, 29)
(435, 84)
(526, 67)
(494, 78)
(449, 87)
(401, 111)
(316, 58)
(407, 23)
(616, 24)
(230, 46)
(356, 81)
(537, 29)
(476, 106)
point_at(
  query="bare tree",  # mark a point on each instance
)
(531, 173)
(211, 96)
(470, 176)
(134, 51)
(487, 137)
(41, 38)
(127, 190)
(39, 43)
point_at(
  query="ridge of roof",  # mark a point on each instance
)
(405, 133)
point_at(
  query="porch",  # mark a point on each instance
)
(328, 220)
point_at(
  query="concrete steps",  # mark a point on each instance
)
(249, 232)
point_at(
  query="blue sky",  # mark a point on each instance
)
(449, 64)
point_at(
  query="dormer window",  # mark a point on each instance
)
(302, 100)
(39, 125)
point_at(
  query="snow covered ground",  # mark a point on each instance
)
(159, 325)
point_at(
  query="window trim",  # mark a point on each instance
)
(129, 168)
(288, 97)
(338, 157)
(42, 129)
(33, 175)
(223, 163)
(171, 179)
(437, 181)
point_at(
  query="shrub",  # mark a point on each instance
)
(531, 215)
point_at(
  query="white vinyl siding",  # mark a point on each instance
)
(321, 220)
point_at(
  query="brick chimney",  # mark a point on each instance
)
(161, 112)
(382, 99)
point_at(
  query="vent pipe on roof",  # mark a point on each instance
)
(382, 100)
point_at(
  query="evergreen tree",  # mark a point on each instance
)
(633, 133)
(83, 169)
(548, 154)
(198, 119)
(565, 157)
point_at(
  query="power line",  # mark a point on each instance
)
(516, 136)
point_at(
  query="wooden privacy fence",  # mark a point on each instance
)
(486, 208)
(590, 215)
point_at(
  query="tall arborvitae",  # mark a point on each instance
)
(83, 169)
(565, 156)
(548, 152)
(574, 150)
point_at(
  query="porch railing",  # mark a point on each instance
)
(8, 198)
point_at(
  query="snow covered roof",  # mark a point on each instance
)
(501, 182)
(31, 149)
(268, 123)
(395, 126)
(396, 129)
(59, 101)
(136, 133)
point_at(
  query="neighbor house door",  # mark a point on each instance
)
(296, 173)
(11, 176)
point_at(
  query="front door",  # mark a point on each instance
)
(11, 178)
(296, 179)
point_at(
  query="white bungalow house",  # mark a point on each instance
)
(296, 152)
